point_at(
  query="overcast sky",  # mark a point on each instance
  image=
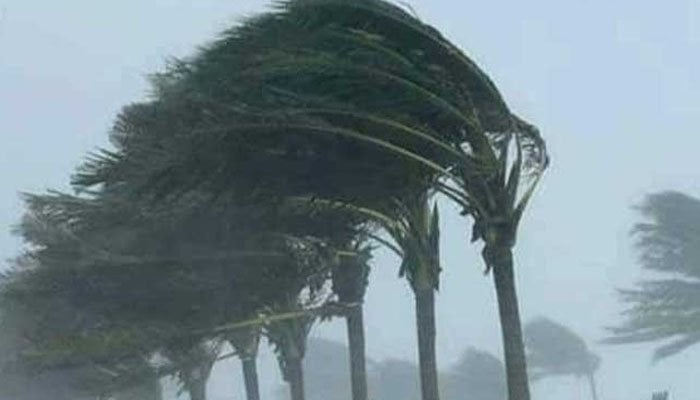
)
(613, 85)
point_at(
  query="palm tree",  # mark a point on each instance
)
(414, 235)
(289, 339)
(418, 240)
(664, 308)
(349, 277)
(555, 350)
(346, 64)
(245, 341)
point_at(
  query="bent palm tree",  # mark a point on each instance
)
(327, 91)
(555, 350)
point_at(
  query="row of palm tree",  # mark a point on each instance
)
(553, 351)
(253, 183)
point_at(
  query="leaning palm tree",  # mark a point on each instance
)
(555, 350)
(359, 93)
(664, 309)
(337, 68)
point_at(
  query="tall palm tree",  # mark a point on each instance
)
(245, 341)
(418, 240)
(555, 350)
(664, 308)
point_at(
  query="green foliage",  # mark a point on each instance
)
(156, 282)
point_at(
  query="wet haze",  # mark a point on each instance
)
(613, 86)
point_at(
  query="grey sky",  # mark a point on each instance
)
(613, 85)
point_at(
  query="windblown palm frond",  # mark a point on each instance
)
(665, 309)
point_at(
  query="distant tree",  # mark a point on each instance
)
(478, 375)
(660, 396)
(555, 350)
(395, 379)
(665, 308)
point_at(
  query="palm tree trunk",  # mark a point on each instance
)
(356, 341)
(591, 383)
(295, 378)
(250, 378)
(425, 321)
(511, 330)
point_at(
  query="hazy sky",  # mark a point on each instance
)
(613, 85)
